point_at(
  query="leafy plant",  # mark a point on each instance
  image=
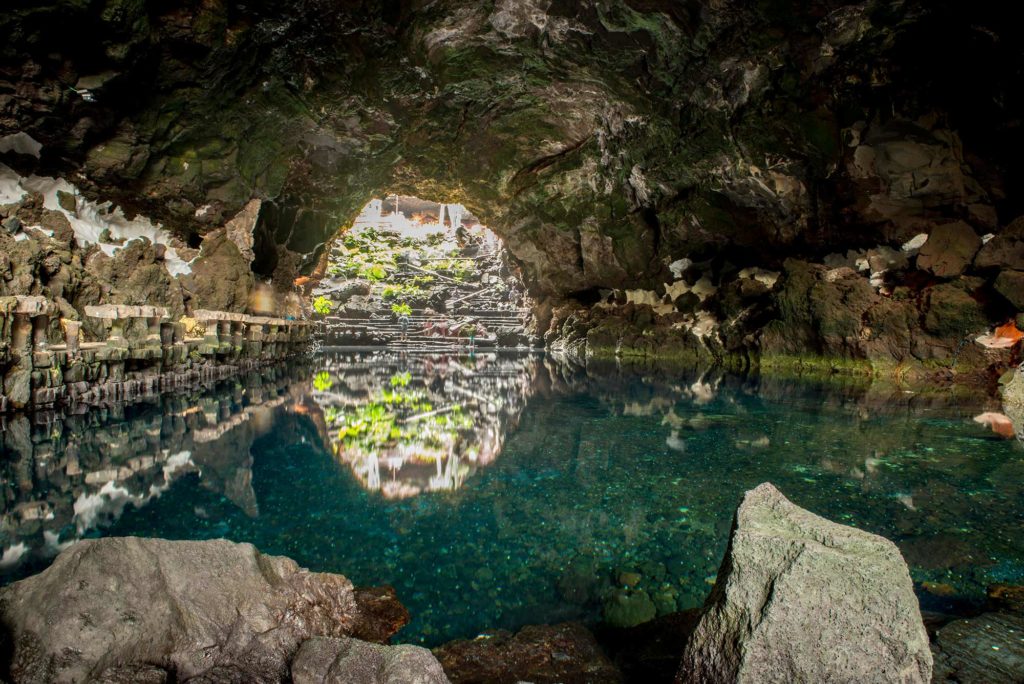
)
(373, 272)
(401, 309)
(396, 291)
(401, 379)
(322, 305)
(322, 382)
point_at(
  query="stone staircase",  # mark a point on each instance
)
(439, 315)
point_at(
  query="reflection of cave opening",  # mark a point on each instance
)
(422, 276)
(410, 424)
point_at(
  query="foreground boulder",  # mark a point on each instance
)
(350, 661)
(122, 609)
(802, 599)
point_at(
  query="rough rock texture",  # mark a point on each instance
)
(542, 654)
(350, 661)
(987, 649)
(950, 249)
(800, 598)
(603, 140)
(1005, 250)
(381, 614)
(220, 278)
(213, 609)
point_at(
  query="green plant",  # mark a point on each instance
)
(373, 272)
(401, 309)
(396, 291)
(401, 379)
(322, 382)
(322, 305)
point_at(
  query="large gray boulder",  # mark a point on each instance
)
(350, 661)
(802, 599)
(211, 610)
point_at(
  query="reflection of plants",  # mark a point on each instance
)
(322, 382)
(402, 309)
(401, 379)
(369, 426)
(322, 305)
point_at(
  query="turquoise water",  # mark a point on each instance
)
(502, 491)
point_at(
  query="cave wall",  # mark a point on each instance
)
(603, 140)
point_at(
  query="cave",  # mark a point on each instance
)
(525, 340)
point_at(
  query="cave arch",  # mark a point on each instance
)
(602, 142)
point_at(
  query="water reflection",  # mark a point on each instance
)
(408, 424)
(518, 486)
(66, 477)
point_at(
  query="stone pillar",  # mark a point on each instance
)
(116, 336)
(225, 332)
(166, 334)
(72, 336)
(153, 337)
(40, 332)
(21, 336)
(237, 334)
(211, 336)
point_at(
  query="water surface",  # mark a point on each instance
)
(497, 491)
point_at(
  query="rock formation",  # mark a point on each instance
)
(129, 609)
(607, 144)
(350, 661)
(543, 654)
(799, 598)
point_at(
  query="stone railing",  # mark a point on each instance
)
(143, 351)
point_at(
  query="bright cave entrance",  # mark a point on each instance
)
(421, 276)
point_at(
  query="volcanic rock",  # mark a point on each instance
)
(950, 249)
(800, 598)
(350, 661)
(542, 654)
(214, 609)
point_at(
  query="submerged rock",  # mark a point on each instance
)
(541, 654)
(800, 598)
(987, 649)
(350, 661)
(211, 609)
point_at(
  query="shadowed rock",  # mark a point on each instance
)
(802, 599)
(211, 610)
(541, 654)
(381, 614)
(950, 249)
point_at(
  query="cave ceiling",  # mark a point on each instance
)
(602, 139)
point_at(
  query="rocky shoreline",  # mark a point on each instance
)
(798, 598)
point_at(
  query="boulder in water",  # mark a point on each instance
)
(802, 599)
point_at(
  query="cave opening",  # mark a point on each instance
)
(420, 275)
